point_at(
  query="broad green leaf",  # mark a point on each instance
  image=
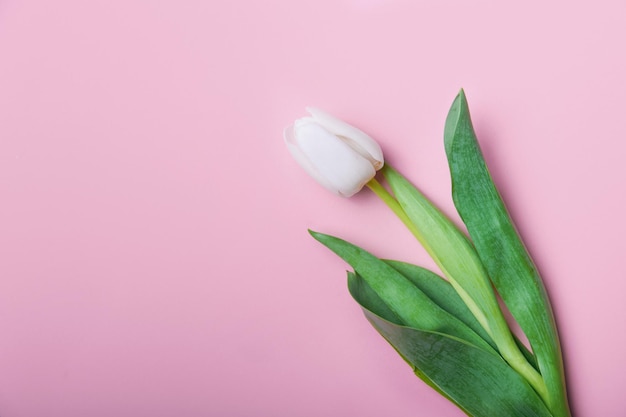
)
(483, 385)
(480, 386)
(501, 249)
(441, 292)
(409, 305)
(450, 249)
(369, 300)
(456, 257)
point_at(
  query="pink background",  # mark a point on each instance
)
(154, 259)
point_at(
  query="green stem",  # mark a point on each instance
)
(393, 204)
(501, 334)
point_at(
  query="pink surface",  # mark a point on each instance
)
(154, 259)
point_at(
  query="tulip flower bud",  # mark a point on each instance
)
(338, 156)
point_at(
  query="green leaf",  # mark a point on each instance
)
(478, 383)
(369, 300)
(501, 249)
(450, 249)
(409, 305)
(367, 297)
(441, 292)
(456, 257)
(482, 384)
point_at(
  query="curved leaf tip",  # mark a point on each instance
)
(459, 105)
(317, 235)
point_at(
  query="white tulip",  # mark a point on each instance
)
(338, 156)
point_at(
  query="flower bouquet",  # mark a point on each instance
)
(451, 330)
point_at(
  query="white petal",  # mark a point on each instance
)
(357, 139)
(332, 159)
(303, 161)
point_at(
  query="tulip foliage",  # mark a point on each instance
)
(451, 330)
